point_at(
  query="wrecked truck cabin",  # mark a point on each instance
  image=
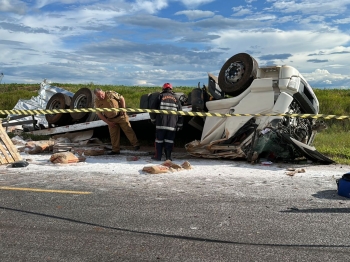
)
(242, 87)
(246, 88)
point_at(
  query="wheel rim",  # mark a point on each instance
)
(234, 72)
(54, 105)
(80, 102)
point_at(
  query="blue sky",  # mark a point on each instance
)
(147, 43)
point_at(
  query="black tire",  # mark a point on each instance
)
(189, 98)
(198, 99)
(59, 101)
(144, 101)
(151, 98)
(92, 117)
(237, 74)
(83, 98)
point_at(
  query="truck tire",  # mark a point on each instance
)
(151, 98)
(189, 98)
(198, 99)
(237, 74)
(59, 101)
(83, 98)
(144, 101)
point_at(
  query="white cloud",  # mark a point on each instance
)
(195, 14)
(42, 3)
(73, 22)
(312, 6)
(195, 3)
(342, 21)
(13, 6)
(241, 11)
(150, 7)
(323, 78)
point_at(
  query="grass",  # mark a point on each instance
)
(335, 145)
(332, 142)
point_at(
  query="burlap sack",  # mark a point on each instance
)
(172, 166)
(36, 147)
(186, 165)
(156, 169)
(65, 158)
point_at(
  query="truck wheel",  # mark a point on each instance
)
(58, 101)
(198, 99)
(144, 101)
(151, 98)
(83, 98)
(237, 74)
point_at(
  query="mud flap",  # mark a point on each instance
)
(311, 153)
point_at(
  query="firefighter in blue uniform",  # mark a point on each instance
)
(166, 124)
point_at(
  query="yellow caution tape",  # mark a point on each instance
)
(138, 110)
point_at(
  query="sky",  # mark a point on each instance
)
(148, 43)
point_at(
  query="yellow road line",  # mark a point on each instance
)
(45, 190)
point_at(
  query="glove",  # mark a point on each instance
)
(153, 121)
(178, 128)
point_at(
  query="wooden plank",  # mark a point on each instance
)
(2, 159)
(7, 158)
(14, 155)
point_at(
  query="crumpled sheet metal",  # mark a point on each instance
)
(45, 92)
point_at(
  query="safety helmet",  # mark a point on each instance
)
(167, 86)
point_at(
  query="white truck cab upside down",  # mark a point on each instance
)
(252, 90)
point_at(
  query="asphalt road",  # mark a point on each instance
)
(110, 222)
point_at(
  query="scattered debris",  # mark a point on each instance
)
(132, 158)
(186, 165)
(167, 166)
(293, 171)
(36, 147)
(66, 158)
(157, 169)
(172, 166)
(21, 163)
(266, 163)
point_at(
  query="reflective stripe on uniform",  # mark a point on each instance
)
(166, 128)
(168, 106)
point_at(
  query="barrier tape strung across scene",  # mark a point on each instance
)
(138, 110)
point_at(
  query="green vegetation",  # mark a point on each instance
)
(334, 142)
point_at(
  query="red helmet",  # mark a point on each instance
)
(167, 86)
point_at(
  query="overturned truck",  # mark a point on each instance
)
(243, 87)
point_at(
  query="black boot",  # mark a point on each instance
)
(168, 154)
(159, 152)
